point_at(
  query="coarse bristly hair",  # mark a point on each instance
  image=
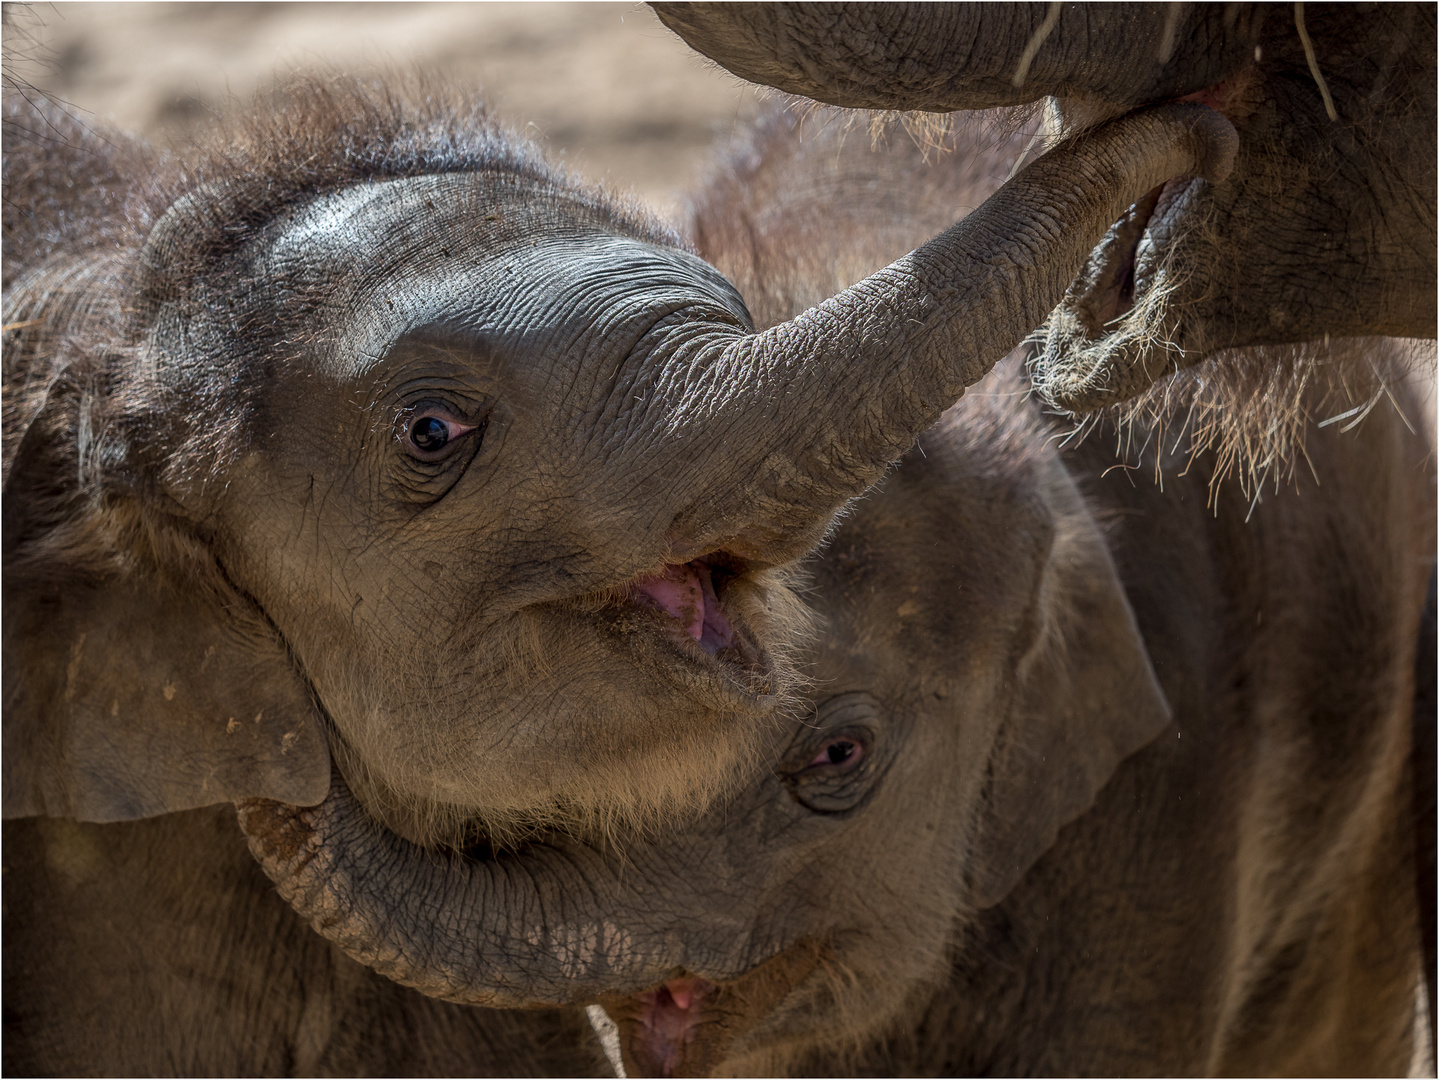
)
(801, 208)
(1251, 409)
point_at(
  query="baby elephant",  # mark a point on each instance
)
(1096, 775)
(1095, 782)
(445, 515)
(1101, 776)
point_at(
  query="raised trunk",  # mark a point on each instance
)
(903, 56)
(814, 410)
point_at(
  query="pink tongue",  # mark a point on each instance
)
(679, 592)
(670, 1019)
(687, 592)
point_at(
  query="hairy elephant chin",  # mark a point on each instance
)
(655, 725)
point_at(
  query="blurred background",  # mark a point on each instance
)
(604, 85)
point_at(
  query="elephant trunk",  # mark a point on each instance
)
(814, 410)
(547, 925)
(943, 57)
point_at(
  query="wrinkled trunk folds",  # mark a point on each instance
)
(554, 923)
(501, 932)
(814, 410)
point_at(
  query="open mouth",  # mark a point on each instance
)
(706, 608)
(665, 1022)
(689, 1025)
(1129, 257)
(689, 594)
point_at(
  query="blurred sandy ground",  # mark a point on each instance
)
(603, 84)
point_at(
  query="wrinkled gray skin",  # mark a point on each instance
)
(238, 565)
(1131, 790)
(1327, 229)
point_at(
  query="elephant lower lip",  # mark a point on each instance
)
(1132, 252)
(1115, 289)
(1129, 259)
(688, 604)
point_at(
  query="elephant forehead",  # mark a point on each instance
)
(494, 256)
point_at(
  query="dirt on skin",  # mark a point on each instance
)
(605, 85)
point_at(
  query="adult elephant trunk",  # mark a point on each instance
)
(943, 57)
(811, 412)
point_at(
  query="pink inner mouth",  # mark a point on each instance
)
(687, 593)
(669, 1017)
(1236, 97)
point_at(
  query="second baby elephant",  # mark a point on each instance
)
(1093, 782)
(1092, 779)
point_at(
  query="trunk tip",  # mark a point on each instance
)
(1215, 143)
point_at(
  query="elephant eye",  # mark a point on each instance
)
(432, 432)
(843, 751)
(833, 766)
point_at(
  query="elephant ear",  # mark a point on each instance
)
(128, 692)
(1086, 697)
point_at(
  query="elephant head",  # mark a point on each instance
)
(1326, 230)
(980, 677)
(371, 447)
